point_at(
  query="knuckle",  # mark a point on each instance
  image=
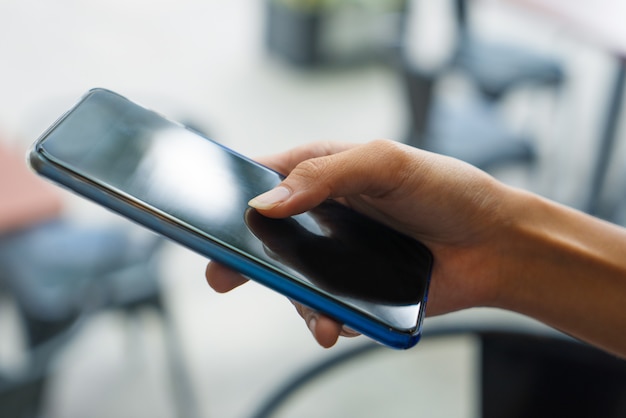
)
(386, 151)
(383, 143)
(310, 172)
(393, 154)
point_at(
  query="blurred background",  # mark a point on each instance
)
(99, 318)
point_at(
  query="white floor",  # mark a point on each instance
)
(203, 61)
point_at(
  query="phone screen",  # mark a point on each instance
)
(203, 186)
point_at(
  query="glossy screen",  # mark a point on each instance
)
(204, 187)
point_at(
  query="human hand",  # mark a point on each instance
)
(451, 207)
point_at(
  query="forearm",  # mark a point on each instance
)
(566, 269)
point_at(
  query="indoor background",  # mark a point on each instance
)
(209, 64)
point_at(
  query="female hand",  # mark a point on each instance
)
(448, 205)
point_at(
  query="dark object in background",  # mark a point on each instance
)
(521, 374)
(310, 34)
(293, 33)
(23, 392)
(532, 376)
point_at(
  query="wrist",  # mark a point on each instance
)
(564, 268)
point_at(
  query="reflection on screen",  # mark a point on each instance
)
(206, 187)
(345, 259)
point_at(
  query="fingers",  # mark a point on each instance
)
(286, 161)
(317, 172)
(222, 279)
(325, 330)
(353, 170)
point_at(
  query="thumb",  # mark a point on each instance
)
(362, 170)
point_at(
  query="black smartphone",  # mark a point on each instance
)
(194, 191)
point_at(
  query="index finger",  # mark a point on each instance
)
(286, 161)
(223, 279)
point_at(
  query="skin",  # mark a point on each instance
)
(494, 245)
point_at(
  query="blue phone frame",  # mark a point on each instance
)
(50, 167)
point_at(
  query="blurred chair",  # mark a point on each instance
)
(497, 68)
(58, 271)
(20, 396)
(472, 129)
(475, 130)
(23, 390)
(521, 374)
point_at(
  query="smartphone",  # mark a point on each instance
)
(194, 191)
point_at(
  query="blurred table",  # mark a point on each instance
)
(602, 22)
